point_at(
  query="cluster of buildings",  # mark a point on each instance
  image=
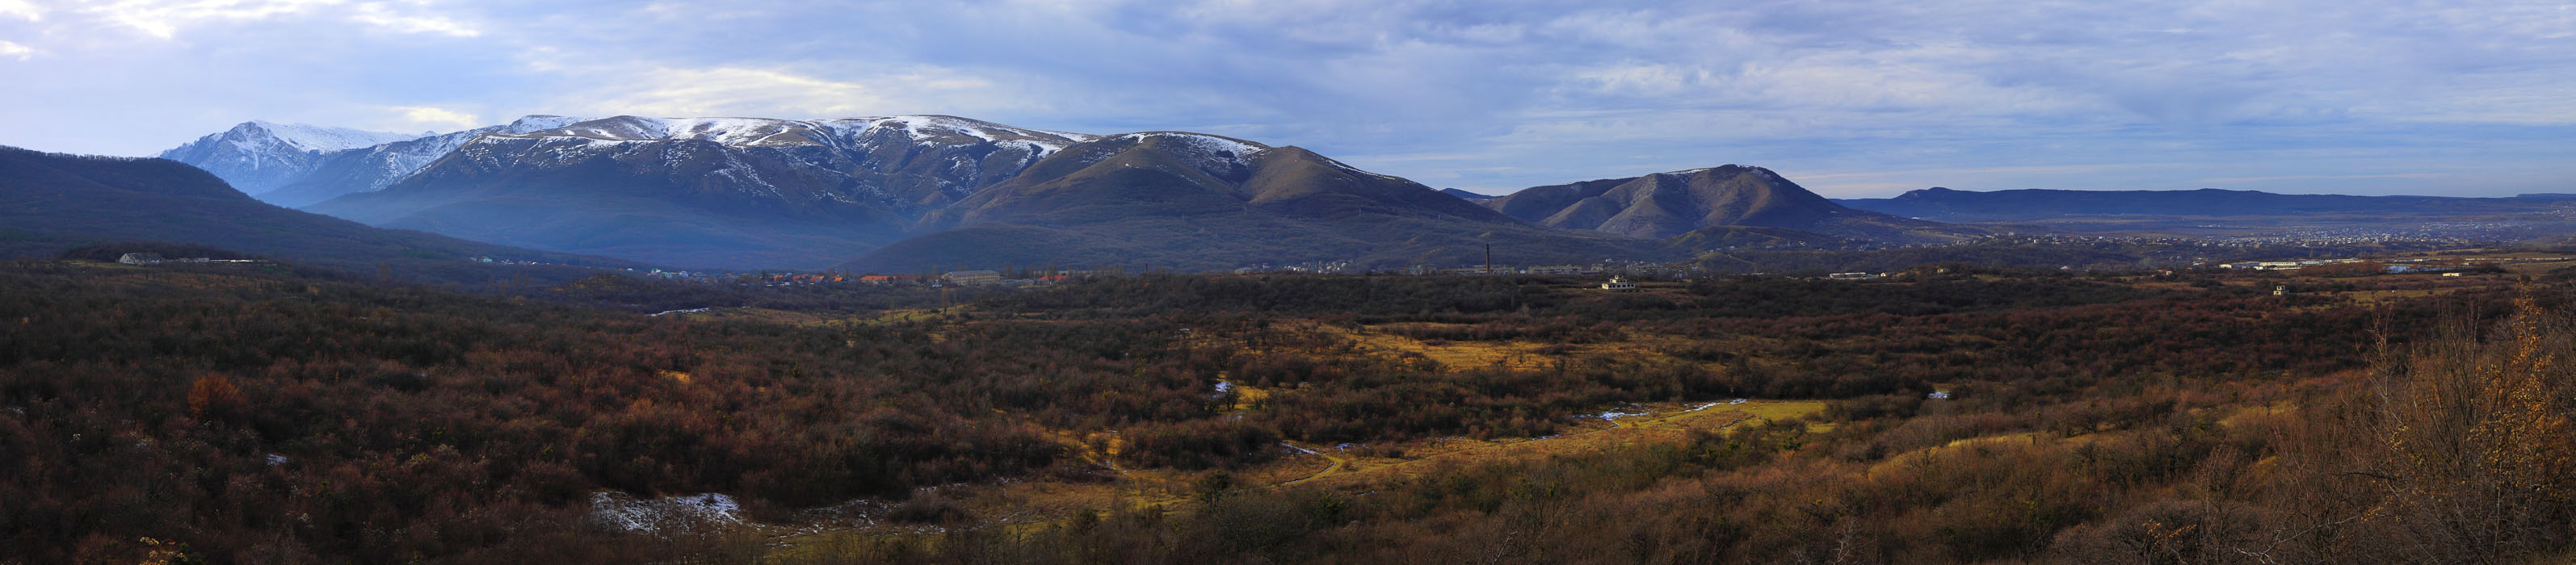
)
(836, 278)
(487, 259)
(1659, 270)
(149, 259)
(2412, 265)
(983, 278)
(1327, 267)
(2292, 265)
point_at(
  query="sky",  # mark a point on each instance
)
(1857, 98)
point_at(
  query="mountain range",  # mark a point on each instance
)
(915, 192)
(1201, 201)
(722, 192)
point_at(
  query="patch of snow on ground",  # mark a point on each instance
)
(639, 515)
(1209, 143)
(1077, 137)
(275, 459)
(688, 311)
(1293, 446)
(1616, 414)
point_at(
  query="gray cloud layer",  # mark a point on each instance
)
(1854, 98)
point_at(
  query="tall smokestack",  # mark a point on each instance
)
(1489, 258)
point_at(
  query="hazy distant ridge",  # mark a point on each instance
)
(1947, 205)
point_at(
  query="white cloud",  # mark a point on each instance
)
(772, 92)
(382, 17)
(22, 8)
(14, 50)
(435, 117)
(164, 18)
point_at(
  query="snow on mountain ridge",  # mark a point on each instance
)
(325, 139)
(1203, 142)
(401, 159)
(747, 132)
(1209, 153)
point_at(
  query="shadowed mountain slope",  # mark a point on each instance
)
(50, 202)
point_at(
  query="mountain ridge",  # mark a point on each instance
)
(724, 192)
(1201, 201)
(1671, 204)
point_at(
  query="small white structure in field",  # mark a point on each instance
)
(1619, 284)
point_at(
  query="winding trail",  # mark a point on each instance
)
(1339, 463)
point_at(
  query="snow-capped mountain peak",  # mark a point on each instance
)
(260, 156)
(538, 122)
(312, 137)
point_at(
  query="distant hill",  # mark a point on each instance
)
(1195, 201)
(1947, 205)
(1470, 196)
(1664, 205)
(51, 202)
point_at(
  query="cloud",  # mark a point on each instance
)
(428, 116)
(13, 50)
(164, 18)
(765, 92)
(167, 19)
(23, 9)
(381, 16)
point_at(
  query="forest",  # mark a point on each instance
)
(1960, 414)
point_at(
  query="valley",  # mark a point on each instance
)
(1284, 417)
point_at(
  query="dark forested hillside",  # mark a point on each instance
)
(52, 202)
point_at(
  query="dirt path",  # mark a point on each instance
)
(1339, 464)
